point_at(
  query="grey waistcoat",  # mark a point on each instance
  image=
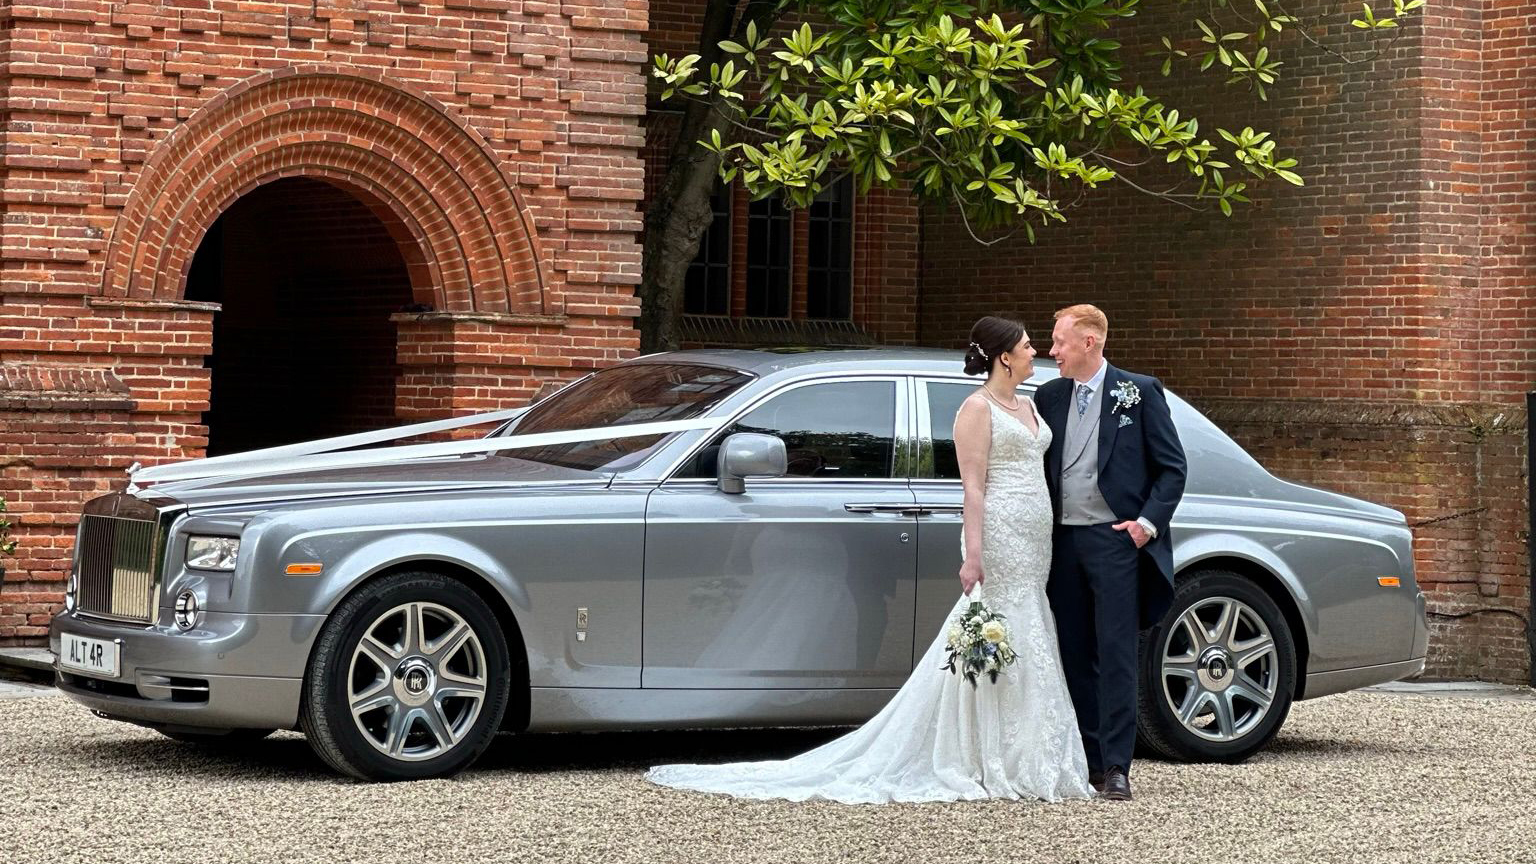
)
(1081, 501)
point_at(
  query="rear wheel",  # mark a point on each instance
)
(409, 680)
(1218, 672)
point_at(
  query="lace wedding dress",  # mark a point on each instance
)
(938, 739)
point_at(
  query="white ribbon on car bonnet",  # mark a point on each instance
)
(318, 455)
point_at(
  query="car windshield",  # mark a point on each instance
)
(635, 393)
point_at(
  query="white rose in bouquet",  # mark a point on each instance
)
(978, 644)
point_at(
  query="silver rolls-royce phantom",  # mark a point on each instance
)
(780, 559)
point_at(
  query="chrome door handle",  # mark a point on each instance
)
(934, 509)
(880, 508)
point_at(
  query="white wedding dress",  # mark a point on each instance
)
(938, 739)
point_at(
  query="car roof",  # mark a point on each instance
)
(769, 362)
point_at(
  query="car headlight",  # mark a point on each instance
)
(212, 553)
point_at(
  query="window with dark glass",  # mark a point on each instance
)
(836, 430)
(829, 276)
(768, 225)
(943, 404)
(707, 287)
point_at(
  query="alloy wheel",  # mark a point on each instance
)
(1219, 669)
(417, 681)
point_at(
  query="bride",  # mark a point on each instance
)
(938, 739)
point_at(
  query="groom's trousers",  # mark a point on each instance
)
(1093, 594)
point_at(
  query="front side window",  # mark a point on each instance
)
(837, 430)
(636, 393)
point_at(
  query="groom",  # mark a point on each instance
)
(1115, 469)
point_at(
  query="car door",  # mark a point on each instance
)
(936, 485)
(806, 581)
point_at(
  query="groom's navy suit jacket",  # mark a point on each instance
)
(1141, 470)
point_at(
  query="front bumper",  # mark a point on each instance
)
(232, 671)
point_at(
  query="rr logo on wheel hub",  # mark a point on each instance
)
(415, 681)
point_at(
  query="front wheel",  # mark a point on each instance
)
(1218, 672)
(409, 680)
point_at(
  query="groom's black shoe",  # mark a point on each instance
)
(1117, 786)
(1096, 779)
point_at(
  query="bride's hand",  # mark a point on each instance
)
(970, 576)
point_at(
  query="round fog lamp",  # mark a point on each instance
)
(186, 610)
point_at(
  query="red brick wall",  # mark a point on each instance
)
(1386, 307)
(496, 139)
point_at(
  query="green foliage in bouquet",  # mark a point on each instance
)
(977, 642)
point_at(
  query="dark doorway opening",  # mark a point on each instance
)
(303, 347)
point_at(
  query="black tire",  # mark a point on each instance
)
(1250, 727)
(326, 717)
(217, 737)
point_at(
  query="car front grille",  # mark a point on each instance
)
(117, 566)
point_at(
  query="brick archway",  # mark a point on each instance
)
(468, 239)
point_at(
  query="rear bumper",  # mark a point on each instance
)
(232, 671)
(1340, 680)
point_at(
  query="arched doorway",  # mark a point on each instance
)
(307, 275)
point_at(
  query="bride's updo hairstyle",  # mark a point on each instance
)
(991, 337)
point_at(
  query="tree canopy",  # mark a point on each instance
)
(1009, 109)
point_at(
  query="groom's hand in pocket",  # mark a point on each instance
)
(1139, 535)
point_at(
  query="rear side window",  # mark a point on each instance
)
(944, 398)
(943, 404)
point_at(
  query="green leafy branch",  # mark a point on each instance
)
(960, 111)
(1254, 64)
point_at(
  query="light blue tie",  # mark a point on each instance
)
(1084, 393)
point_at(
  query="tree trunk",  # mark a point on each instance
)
(680, 212)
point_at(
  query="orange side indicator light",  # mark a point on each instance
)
(1388, 581)
(304, 569)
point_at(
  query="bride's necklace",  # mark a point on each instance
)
(1001, 404)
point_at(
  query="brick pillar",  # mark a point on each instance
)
(117, 381)
(453, 364)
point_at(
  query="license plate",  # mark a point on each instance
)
(92, 656)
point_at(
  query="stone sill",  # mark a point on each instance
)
(515, 319)
(171, 305)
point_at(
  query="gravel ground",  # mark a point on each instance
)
(1360, 777)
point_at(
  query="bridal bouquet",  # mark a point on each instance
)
(977, 643)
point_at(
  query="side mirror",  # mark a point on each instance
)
(749, 454)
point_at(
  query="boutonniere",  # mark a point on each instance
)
(1126, 394)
